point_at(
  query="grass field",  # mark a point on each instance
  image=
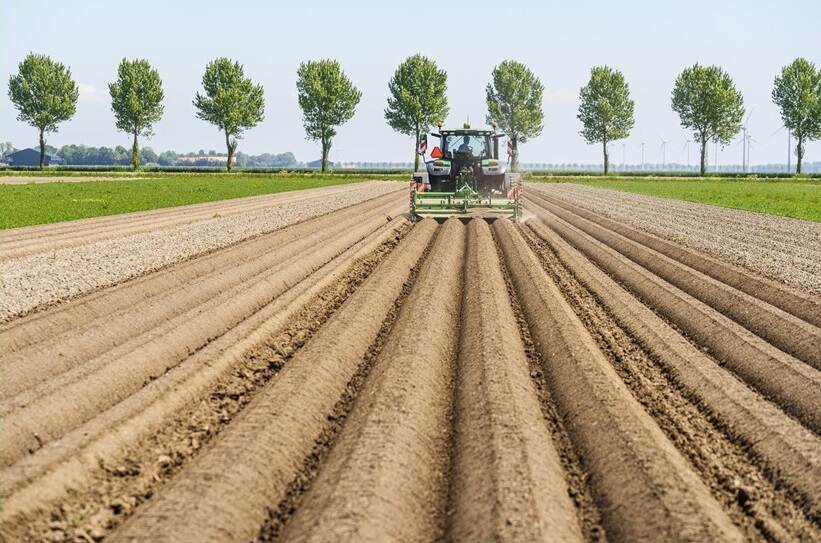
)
(25, 205)
(799, 198)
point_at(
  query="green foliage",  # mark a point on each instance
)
(231, 101)
(797, 92)
(44, 94)
(606, 110)
(167, 158)
(53, 202)
(148, 155)
(514, 103)
(84, 155)
(793, 198)
(136, 100)
(328, 99)
(708, 104)
(417, 98)
(6, 148)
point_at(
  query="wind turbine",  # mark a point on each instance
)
(687, 145)
(663, 152)
(744, 140)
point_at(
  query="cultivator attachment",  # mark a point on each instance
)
(465, 201)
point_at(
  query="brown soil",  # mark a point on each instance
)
(351, 377)
(782, 378)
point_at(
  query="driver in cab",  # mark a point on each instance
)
(465, 147)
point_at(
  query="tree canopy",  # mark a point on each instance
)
(606, 110)
(514, 103)
(328, 99)
(136, 100)
(44, 95)
(232, 102)
(797, 93)
(708, 103)
(417, 99)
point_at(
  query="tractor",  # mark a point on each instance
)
(465, 177)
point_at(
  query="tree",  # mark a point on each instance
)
(709, 104)
(121, 156)
(148, 155)
(797, 92)
(606, 110)
(417, 99)
(44, 95)
(136, 100)
(514, 103)
(167, 158)
(231, 101)
(328, 99)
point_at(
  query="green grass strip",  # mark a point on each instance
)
(798, 198)
(30, 204)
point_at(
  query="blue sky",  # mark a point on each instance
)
(650, 41)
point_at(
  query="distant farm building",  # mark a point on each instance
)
(31, 157)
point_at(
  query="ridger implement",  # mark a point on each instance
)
(465, 178)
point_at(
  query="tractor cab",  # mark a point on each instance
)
(465, 177)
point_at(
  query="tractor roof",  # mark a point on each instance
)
(467, 131)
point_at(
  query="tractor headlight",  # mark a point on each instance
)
(493, 167)
(439, 167)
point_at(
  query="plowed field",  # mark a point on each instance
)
(356, 377)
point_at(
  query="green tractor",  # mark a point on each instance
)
(465, 178)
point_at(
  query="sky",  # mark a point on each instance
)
(649, 41)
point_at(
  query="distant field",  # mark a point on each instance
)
(25, 205)
(799, 198)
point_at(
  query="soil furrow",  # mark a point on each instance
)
(34, 282)
(690, 214)
(123, 331)
(177, 415)
(801, 304)
(793, 385)
(643, 486)
(225, 492)
(755, 501)
(67, 234)
(278, 517)
(783, 330)
(788, 452)
(64, 321)
(385, 476)
(576, 477)
(508, 480)
(85, 391)
(738, 236)
(694, 218)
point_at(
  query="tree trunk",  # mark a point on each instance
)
(326, 147)
(799, 154)
(703, 156)
(42, 149)
(606, 157)
(135, 153)
(416, 152)
(514, 159)
(230, 147)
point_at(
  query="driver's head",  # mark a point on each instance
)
(465, 140)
